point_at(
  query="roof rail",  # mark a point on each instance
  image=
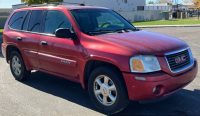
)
(51, 4)
(61, 3)
(36, 5)
(39, 5)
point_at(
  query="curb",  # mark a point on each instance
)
(165, 26)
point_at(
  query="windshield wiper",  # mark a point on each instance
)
(100, 30)
(112, 31)
(124, 29)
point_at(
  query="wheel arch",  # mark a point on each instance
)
(9, 49)
(93, 64)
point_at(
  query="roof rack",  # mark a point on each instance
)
(61, 3)
(39, 5)
(36, 5)
(51, 4)
(70, 3)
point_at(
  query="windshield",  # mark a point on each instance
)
(100, 20)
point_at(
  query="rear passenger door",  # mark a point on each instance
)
(28, 37)
(58, 55)
(14, 26)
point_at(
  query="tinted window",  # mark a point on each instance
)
(97, 20)
(34, 23)
(55, 20)
(16, 20)
(25, 24)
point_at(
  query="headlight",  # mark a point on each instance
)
(144, 64)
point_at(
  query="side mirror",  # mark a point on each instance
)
(65, 33)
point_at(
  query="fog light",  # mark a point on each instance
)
(140, 78)
(154, 89)
(158, 90)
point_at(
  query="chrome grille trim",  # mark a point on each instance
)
(183, 68)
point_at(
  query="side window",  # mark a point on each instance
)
(85, 21)
(54, 20)
(16, 20)
(34, 23)
(25, 23)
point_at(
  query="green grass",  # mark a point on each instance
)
(168, 22)
(1, 31)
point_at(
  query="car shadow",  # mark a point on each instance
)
(184, 102)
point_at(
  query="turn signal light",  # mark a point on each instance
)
(137, 65)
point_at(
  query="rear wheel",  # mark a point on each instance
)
(17, 67)
(107, 90)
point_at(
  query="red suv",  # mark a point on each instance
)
(99, 49)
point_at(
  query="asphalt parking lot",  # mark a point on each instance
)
(43, 94)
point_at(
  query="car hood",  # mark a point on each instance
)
(146, 42)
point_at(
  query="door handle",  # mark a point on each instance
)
(43, 42)
(19, 38)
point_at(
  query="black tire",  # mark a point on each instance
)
(24, 73)
(122, 99)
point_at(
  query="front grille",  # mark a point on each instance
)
(177, 66)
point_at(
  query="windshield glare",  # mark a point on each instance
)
(95, 20)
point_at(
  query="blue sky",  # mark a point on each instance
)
(9, 3)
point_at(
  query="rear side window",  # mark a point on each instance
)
(16, 19)
(35, 19)
(54, 20)
(25, 23)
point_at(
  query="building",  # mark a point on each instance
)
(5, 10)
(132, 10)
(117, 5)
(164, 6)
(4, 13)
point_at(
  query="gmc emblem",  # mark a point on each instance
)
(180, 59)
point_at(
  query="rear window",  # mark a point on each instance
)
(25, 23)
(35, 19)
(16, 19)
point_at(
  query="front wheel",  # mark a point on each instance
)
(107, 90)
(17, 67)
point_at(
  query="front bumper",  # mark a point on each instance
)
(3, 49)
(143, 90)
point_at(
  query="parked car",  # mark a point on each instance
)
(99, 49)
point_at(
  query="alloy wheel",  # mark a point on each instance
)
(105, 90)
(16, 65)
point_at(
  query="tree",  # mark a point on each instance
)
(151, 2)
(39, 1)
(164, 1)
(195, 4)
